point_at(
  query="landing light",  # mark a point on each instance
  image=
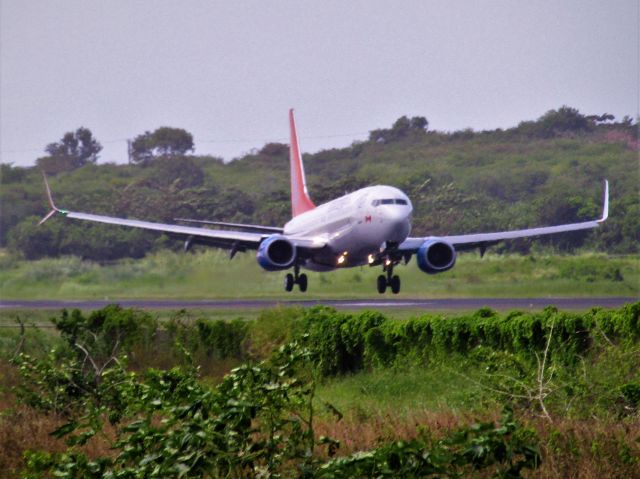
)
(341, 259)
(387, 262)
(370, 258)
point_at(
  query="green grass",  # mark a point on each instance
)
(402, 391)
(210, 274)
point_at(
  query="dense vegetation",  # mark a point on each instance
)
(122, 395)
(541, 172)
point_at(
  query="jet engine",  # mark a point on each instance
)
(436, 256)
(276, 253)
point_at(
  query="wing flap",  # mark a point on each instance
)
(242, 226)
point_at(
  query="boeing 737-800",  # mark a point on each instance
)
(370, 226)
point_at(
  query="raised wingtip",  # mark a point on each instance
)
(54, 209)
(605, 207)
(49, 197)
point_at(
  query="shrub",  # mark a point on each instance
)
(346, 343)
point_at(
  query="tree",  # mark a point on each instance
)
(182, 172)
(74, 150)
(604, 118)
(34, 241)
(401, 128)
(165, 141)
(564, 119)
(275, 149)
(419, 123)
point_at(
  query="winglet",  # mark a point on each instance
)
(605, 207)
(54, 209)
(300, 201)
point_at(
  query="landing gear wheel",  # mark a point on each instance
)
(302, 282)
(296, 278)
(288, 282)
(395, 284)
(382, 284)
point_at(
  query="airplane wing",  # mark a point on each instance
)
(241, 226)
(482, 240)
(233, 240)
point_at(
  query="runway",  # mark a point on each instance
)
(447, 304)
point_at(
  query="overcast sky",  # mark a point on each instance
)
(228, 71)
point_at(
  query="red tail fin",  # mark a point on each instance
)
(300, 201)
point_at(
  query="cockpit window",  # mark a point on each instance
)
(389, 201)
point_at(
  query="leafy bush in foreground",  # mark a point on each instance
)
(168, 424)
(258, 422)
(507, 445)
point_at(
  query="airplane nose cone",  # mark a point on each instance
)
(398, 224)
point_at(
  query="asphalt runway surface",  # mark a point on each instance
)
(451, 304)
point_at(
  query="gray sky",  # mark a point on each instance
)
(228, 71)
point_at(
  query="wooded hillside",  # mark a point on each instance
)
(541, 172)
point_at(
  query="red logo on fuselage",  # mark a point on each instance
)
(367, 219)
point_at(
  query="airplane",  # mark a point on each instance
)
(370, 226)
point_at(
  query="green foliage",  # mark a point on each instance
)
(224, 338)
(347, 343)
(34, 241)
(631, 393)
(548, 363)
(178, 172)
(63, 380)
(74, 150)
(401, 128)
(623, 324)
(562, 120)
(338, 339)
(164, 141)
(255, 423)
(275, 149)
(271, 329)
(106, 331)
(216, 339)
(258, 422)
(508, 446)
(90, 241)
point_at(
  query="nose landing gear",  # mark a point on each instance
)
(300, 279)
(390, 280)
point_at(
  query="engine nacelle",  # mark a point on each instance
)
(436, 256)
(276, 253)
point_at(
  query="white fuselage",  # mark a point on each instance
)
(354, 226)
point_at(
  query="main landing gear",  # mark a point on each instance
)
(389, 280)
(296, 278)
